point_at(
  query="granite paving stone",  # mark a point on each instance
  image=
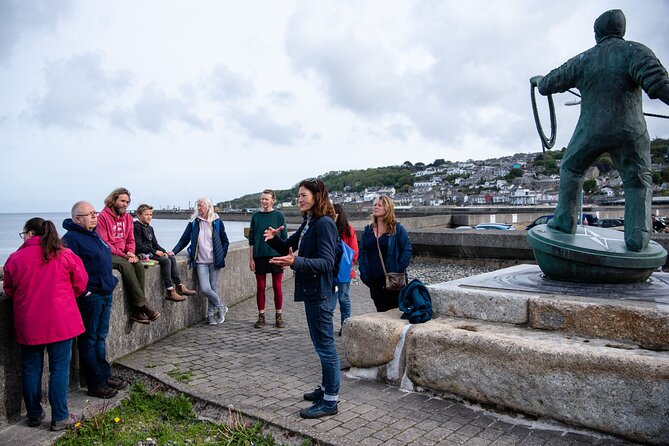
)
(266, 371)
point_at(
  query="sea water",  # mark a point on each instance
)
(168, 232)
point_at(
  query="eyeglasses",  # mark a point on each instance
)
(90, 214)
(23, 234)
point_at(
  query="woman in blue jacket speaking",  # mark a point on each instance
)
(387, 235)
(316, 243)
(207, 247)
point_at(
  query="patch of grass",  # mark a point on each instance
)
(151, 366)
(178, 375)
(167, 420)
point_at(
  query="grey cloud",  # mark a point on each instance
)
(225, 86)
(258, 124)
(155, 109)
(76, 90)
(282, 97)
(22, 17)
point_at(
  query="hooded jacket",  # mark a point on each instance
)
(218, 237)
(117, 231)
(95, 254)
(44, 294)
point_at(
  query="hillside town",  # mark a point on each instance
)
(514, 180)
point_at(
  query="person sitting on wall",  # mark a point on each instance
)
(147, 244)
(115, 227)
(658, 225)
(96, 304)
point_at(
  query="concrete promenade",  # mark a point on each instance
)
(263, 373)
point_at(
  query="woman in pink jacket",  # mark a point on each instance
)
(43, 278)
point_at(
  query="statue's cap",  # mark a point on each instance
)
(610, 24)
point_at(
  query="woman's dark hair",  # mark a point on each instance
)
(343, 226)
(322, 205)
(50, 242)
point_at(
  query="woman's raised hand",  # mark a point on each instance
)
(271, 232)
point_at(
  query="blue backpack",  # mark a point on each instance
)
(415, 302)
(343, 262)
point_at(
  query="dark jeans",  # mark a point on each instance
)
(384, 299)
(32, 366)
(319, 320)
(95, 311)
(168, 270)
(132, 276)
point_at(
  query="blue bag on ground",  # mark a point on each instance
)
(343, 275)
(415, 302)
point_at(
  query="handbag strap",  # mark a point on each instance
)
(378, 246)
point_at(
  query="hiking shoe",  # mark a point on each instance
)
(34, 422)
(70, 421)
(320, 408)
(181, 289)
(117, 383)
(279, 321)
(174, 296)
(104, 392)
(212, 320)
(151, 314)
(139, 317)
(260, 323)
(221, 315)
(315, 395)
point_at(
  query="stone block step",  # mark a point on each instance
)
(611, 386)
(521, 295)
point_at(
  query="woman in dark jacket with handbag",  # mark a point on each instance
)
(207, 247)
(316, 240)
(386, 247)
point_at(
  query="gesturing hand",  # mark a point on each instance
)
(286, 260)
(271, 232)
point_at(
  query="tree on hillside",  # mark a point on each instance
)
(589, 187)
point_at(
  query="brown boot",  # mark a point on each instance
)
(260, 323)
(181, 289)
(279, 321)
(151, 314)
(138, 316)
(174, 296)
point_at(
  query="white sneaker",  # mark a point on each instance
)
(221, 315)
(212, 320)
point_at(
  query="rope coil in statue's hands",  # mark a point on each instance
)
(546, 143)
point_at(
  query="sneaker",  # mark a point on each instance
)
(260, 323)
(174, 296)
(315, 395)
(34, 422)
(104, 392)
(117, 383)
(151, 314)
(320, 408)
(139, 317)
(221, 315)
(279, 321)
(181, 289)
(70, 421)
(212, 320)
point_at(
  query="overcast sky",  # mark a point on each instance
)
(181, 99)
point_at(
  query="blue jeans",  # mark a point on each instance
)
(32, 366)
(344, 300)
(319, 320)
(207, 275)
(95, 311)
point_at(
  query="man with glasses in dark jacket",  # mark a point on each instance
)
(95, 305)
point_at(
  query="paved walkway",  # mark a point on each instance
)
(263, 373)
